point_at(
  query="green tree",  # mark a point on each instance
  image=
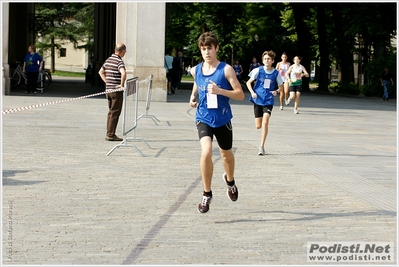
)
(374, 32)
(364, 30)
(236, 25)
(55, 21)
(325, 33)
(187, 21)
(264, 20)
(302, 13)
(344, 45)
(85, 31)
(324, 44)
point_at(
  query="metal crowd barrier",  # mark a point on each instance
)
(130, 115)
(148, 81)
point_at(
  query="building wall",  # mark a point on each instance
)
(76, 60)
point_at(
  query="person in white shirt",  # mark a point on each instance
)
(294, 76)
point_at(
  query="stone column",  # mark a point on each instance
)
(15, 21)
(141, 27)
(6, 66)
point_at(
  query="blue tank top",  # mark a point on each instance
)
(265, 84)
(254, 65)
(237, 69)
(214, 117)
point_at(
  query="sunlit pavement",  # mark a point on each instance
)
(329, 175)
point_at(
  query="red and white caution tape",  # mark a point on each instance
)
(8, 111)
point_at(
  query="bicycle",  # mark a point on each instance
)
(17, 75)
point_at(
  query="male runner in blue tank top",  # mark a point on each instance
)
(215, 83)
(268, 83)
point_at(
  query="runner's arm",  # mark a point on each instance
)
(194, 92)
(236, 93)
(193, 96)
(305, 73)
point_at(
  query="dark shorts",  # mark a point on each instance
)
(223, 134)
(169, 76)
(297, 88)
(260, 110)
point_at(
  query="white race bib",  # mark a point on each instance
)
(266, 83)
(212, 100)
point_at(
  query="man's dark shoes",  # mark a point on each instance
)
(113, 138)
(203, 207)
(232, 191)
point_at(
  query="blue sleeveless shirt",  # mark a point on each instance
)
(264, 95)
(214, 117)
(237, 70)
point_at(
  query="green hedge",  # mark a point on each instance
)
(347, 88)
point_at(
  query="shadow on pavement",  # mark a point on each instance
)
(63, 87)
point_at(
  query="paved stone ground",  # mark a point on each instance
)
(330, 175)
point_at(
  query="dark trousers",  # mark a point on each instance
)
(32, 81)
(115, 102)
(176, 78)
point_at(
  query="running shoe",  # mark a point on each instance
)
(232, 191)
(203, 207)
(296, 111)
(287, 101)
(281, 107)
(261, 151)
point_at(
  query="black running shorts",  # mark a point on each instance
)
(223, 134)
(296, 88)
(260, 110)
